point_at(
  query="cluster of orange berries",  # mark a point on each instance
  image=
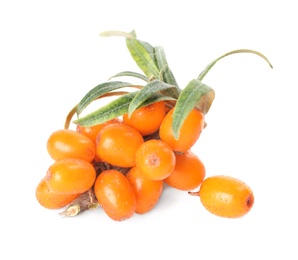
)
(121, 155)
(126, 162)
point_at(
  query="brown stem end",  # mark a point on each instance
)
(194, 193)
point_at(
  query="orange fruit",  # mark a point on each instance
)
(226, 196)
(70, 176)
(189, 133)
(117, 144)
(67, 143)
(92, 131)
(147, 119)
(189, 172)
(51, 199)
(147, 191)
(115, 195)
(155, 159)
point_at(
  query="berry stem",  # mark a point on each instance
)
(85, 201)
(69, 116)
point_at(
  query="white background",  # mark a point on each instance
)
(51, 54)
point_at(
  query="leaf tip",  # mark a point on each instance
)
(271, 66)
(176, 134)
(76, 121)
(131, 109)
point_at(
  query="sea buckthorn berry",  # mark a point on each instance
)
(117, 144)
(67, 143)
(225, 196)
(115, 195)
(147, 191)
(51, 199)
(189, 172)
(70, 176)
(155, 159)
(189, 133)
(146, 119)
(92, 131)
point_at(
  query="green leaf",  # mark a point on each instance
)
(150, 49)
(142, 57)
(133, 32)
(138, 49)
(188, 99)
(165, 71)
(156, 98)
(98, 91)
(131, 74)
(211, 64)
(163, 66)
(206, 101)
(105, 113)
(147, 91)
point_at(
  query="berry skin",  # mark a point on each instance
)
(147, 119)
(67, 143)
(117, 144)
(225, 196)
(189, 133)
(189, 172)
(50, 199)
(155, 159)
(92, 131)
(115, 195)
(147, 191)
(70, 176)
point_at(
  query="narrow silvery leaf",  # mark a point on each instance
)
(142, 58)
(165, 71)
(150, 49)
(146, 92)
(98, 91)
(206, 101)
(142, 52)
(156, 98)
(211, 64)
(105, 113)
(131, 74)
(188, 99)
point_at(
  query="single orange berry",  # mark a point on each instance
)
(225, 196)
(92, 131)
(115, 195)
(51, 199)
(70, 176)
(117, 144)
(189, 172)
(146, 119)
(67, 143)
(155, 159)
(147, 191)
(189, 133)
